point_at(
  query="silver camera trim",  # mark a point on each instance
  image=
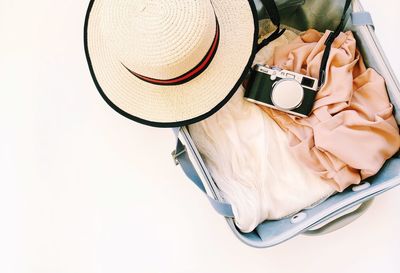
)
(276, 108)
(276, 72)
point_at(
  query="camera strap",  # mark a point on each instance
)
(328, 45)
(273, 13)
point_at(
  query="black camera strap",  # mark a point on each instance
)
(273, 13)
(328, 45)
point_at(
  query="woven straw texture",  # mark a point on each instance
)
(163, 39)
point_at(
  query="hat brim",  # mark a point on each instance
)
(180, 105)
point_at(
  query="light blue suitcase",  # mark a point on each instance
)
(342, 208)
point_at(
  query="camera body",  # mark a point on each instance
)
(282, 90)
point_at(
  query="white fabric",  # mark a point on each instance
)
(247, 154)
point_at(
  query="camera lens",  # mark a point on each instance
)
(287, 94)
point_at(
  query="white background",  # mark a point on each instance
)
(84, 190)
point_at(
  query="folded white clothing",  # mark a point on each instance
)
(248, 157)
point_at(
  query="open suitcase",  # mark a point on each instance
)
(342, 208)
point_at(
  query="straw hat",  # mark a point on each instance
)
(169, 63)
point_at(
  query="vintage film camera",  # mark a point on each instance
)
(282, 90)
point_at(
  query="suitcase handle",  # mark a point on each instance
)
(333, 223)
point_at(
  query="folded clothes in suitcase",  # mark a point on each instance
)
(343, 207)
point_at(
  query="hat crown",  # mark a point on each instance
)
(160, 39)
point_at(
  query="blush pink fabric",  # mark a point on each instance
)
(351, 132)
